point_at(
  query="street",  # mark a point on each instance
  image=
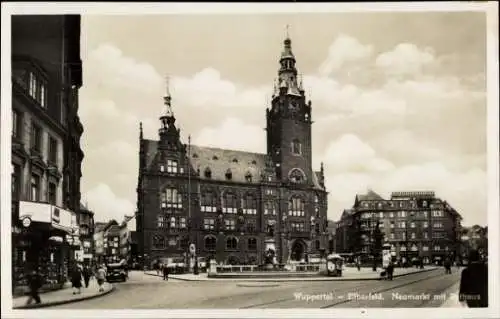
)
(151, 292)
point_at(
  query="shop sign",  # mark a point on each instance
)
(26, 222)
(172, 242)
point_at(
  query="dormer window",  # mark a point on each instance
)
(215, 157)
(235, 160)
(208, 172)
(296, 147)
(248, 177)
(229, 174)
(195, 155)
(254, 162)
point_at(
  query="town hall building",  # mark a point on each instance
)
(234, 205)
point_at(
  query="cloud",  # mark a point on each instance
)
(400, 127)
(110, 67)
(207, 89)
(234, 134)
(344, 50)
(350, 154)
(405, 59)
(106, 205)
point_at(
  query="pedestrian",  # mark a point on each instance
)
(390, 270)
(165, 272)
(86, 275)
(358, 263)
(76, 279)
(447, 265)
(474, 282)
(34, 284)
(100, 276)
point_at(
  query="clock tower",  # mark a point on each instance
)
(289, 123)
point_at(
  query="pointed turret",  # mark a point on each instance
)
(288, 72)
(169, 134)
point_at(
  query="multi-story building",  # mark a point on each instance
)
(125, 238)
(233, 205)
(415, 224)
(86, 227)
(46, 154)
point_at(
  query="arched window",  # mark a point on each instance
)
(231, 243)
(229, 174)
(252, 244)
(173, 223)
(296, 147)
(208, 202)
(158, 242)
(208, 173)
(172, 166)
(210, 243)
(296, 206)
(182, 223)
(230, 203)
(250, 205)
(297, 176)
(160, 220)
(171, 198)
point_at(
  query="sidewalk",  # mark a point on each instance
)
(452, 297)
(348, 274)
(63, 296)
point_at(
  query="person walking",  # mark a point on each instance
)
(34, 283)
(76, 279)
(86, 275)
(390, 270)
(474, 282)
(101, 277)
(165, 272)
(358, 263)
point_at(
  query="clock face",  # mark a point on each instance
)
(26, 222)
(294, 106)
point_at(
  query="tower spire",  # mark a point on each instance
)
(140, 131)
(167, 99)
(287, 29)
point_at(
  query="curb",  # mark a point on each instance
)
(62, 302)
(257, 286)
(299, 278)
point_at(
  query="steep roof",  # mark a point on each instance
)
(220, 161)
(370, 195)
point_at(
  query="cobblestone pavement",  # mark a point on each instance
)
(151, 292)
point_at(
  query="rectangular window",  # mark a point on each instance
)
(425, 248)
(160, 221)
(230, 204)
(171, 198)
(209, 224)
(230, 224)
(36, 138)
(437, 225)
(43, 95)
(425, 224)
(250, 205)
(33, 85)
(426, 235)
(251, 227)
(297, 227)
(402, 214)
(35, 188)
(413, 236)
(437, 248)
(16, 124)
(53, 150)
(437, 213)
(182, 222)
(391, 215)
(269, 208)
(52, 194)
(392, 235)
(171, 166)
(208, 203)
(412, 225)
(16, 180)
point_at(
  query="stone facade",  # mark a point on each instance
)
(229, 203)
(415, 224)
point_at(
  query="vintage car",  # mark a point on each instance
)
(116, 272)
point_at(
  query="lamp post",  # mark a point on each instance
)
(283, 237)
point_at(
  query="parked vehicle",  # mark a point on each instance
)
(116, 272)
(176, 265)
(202, 264)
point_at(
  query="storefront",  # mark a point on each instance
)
(45, 240)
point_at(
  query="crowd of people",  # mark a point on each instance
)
(79, 276)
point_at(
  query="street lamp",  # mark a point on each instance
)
(283, 236)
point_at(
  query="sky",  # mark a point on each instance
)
(398, 99)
